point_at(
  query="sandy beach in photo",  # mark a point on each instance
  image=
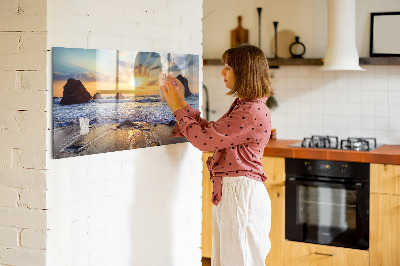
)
(68, 142)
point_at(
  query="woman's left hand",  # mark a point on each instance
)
(170, 90)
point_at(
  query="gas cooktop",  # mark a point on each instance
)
(332, 142)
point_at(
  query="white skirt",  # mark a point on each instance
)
(241, 223)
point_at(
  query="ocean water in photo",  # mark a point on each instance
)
(147, 108)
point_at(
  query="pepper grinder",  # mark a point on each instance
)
(259, 26)
(276, 39)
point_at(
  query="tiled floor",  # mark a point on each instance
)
(206, 261)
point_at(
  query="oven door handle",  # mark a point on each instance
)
(324, 254)
(357, 185)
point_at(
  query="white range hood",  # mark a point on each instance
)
(341, 51)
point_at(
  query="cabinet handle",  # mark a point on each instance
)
(325, 254)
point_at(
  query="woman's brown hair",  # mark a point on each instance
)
(250, 66)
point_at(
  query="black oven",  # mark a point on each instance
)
(327, 202)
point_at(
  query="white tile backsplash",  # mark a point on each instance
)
(343, 103)
(394, 110)
(394, 97)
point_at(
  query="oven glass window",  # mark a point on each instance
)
(327, 207)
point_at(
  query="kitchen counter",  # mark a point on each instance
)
(389, 154)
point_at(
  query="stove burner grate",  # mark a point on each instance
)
(358, 144)
(327, 142)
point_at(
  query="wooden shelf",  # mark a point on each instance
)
(274, 63)
(380, 61)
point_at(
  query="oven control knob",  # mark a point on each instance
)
(343, 168)
(308, 166)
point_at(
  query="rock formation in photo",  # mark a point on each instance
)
(75, 92)
(97, 96)
(119, 96)
(185, 83)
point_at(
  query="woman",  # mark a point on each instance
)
(242, 208)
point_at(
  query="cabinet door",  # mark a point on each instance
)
(384, 236)
(206, 232)
(277, 233)
(274, 168)
(385, 178)
(305, 254)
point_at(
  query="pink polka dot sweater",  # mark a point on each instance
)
(238, 139)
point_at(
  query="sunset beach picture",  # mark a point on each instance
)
(110, 100)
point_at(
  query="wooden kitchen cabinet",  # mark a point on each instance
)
(306, 254)
(274, 168)
(277, 233)
(384, 236)
(385, 178)
(206, 225)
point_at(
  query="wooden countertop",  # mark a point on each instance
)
(389, 154)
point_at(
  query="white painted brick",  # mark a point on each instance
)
(23, 178)
(107, 41)
(179, 7)
(31, 80)
(33, 199)
(98, 222)
(80, 227)
(8, 6)
(7, 80)
(24, 61)
(33, 120)
(23, 100)
(197, 38)
(114, 186)
(23, 218)
(23, 139)
(106, 11)
(196, 10)
(132, 42)
(190, 47)
(8, 237)
(33, 239)
(135, 16)
(9, 42)
(189, 22)
(33, 159)
(5, 158)
(149, 6)
(163, 45)
(33, 7)
(22, 22)
(32, 43)
(17, 256)
(15, 158)
(31, 53)
(168, 19)
(155, 32)
(8, 197)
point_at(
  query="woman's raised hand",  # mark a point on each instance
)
(181, 89)
(174, 93)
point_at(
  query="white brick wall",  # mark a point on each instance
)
(100, 206)
(137, 207)
(23, 132)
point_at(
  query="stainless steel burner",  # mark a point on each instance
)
(332, 142)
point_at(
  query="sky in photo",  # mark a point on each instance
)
(127, 72)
